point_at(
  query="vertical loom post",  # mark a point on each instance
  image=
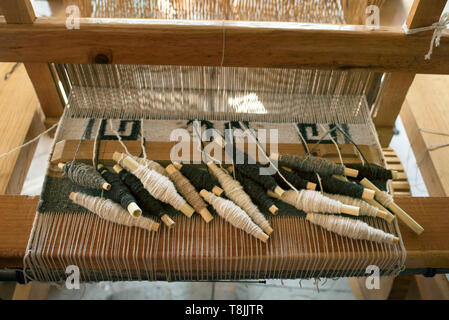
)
(395, 86)
(21, 12)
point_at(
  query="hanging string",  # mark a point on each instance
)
(303, 141)
(111, 211)
(142, 139)
(438, 28)
(291, 177)
(118, 137)
(229, 211)
(30, 141)
(96, 147)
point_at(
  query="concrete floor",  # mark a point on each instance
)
(273, 289)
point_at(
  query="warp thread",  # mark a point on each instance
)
(234, 191)
(200, 179)
(372, 172)
(119, 192)
(158, 186)
(252, 171)
(311, 164)
(150, 205)
(111, 211)
(152, 165)
(83, 175)
(232, 213)
(187, 190)
(298, 182)
(351, 228)
(333, 185)
(365, 208)
(311, 201)
(255, 191)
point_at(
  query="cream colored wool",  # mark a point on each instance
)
(111, 211)
(234, 191)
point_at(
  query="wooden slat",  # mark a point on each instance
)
(21, 12)
(390, 102)
(430, 249)
(425, 12)
(426, 107)
(248, 44)
(20, 120)
(17, 11)
(160, 151)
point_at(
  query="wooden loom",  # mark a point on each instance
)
(298, 46)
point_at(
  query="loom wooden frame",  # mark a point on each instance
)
(38, 42)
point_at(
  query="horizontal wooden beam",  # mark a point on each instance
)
(200, 43)
(429, 250)
(160, 151)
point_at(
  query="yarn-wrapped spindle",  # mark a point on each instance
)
(199, 178)
(296, 181)
(313, 201)
(150, 205)
(313, 164)
(188, 191)
(373, 172)
(351, 228)
(234, 191)
(119, 192)
(257, 193)
(111, 211)
(252, 171)
(84, 175)
(150, 164)
(336, 186)
(232, 213)
(157, 185)
(365, 208)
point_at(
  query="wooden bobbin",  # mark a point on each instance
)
(353, 173)
(167, 221)
(273, 210)
(368, 193)
(273, 195)
(401, 214)
(215, 190)
(155, 226)
(394, 174)
(311, 186)
(351, 210)
(106, 186)
(279, 191)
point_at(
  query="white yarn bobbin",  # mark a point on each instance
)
(111, 211)
(234, 191)
(355, 229)
(232, 213)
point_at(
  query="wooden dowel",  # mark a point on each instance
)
(401, 214)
